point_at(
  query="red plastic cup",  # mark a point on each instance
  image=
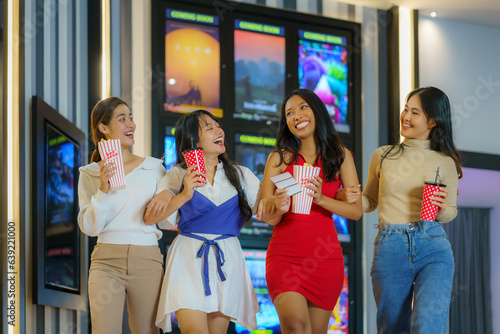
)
(429, 210)
(195, 156)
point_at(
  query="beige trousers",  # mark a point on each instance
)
(119, 271)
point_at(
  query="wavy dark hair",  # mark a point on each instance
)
(436, 106)
(329, 145)
(187, 134)
(102, 113)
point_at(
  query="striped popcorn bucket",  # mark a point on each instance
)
(302, 202)
(110, 150)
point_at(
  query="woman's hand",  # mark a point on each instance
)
(274, 206)
(349, 194)
(156, 207)
(193, 179)
(281, 201)
(108, 169)
(316, 183)
(442, 201)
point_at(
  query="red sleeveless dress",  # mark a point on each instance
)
(304, 254)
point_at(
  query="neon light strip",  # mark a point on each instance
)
(12, 263)
(10, 113)
(259, 27)
(193, 17)
(103, 40)
(405, 55)
(319, 37)
(106, 53)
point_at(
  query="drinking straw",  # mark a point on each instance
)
(192, 142)
(437, 174)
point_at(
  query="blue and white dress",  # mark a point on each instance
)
(205, 268)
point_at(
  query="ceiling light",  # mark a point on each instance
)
(433, 14)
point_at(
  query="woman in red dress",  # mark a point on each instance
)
(304, 264)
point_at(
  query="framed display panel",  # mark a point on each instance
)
(264, 53)
(169, 150)
(58, 146)
(336, 42)
(267, 318)
(259, 70)
(323, 68)
(251, 151)
(169, 158)
(192, 62)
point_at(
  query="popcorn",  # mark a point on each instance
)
(302, 202)
(110, 150)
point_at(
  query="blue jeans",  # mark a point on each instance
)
(412, 277)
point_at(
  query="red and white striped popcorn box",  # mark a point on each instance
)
(110, 150)
(302, 202)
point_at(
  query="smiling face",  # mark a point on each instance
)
(121, 126)
(414, 122)
(211, 137)
(299, 117)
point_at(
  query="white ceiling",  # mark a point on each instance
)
(480, 12)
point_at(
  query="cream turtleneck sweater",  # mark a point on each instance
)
(396, 187)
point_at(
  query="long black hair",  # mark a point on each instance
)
(102, 113)
(329, 145)
(187, 134)
(436, 107)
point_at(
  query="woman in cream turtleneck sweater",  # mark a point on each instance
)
(413, 261)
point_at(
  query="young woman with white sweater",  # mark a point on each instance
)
(126, 262)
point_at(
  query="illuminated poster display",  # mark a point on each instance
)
(342, 228)
(339, 319)
(170, 152)
(61, 264)
(192, 62)
(267, 318)
(259, 70)
(251, 151)
(323, 69)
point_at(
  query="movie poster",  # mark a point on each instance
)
(267, 319)
(60, 267)
(192, 64)
(339, 319)
(170, 154)
(259, 71)
(323, 69)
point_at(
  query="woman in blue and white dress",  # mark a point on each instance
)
(206, 281)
